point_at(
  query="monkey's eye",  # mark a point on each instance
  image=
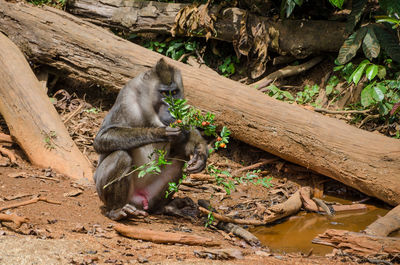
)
(164, 93)
(174, 92)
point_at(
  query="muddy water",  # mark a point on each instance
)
(295, 233)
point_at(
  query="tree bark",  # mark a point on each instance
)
(359, 244)
(295, 37)
(32, 119)
(366, 161)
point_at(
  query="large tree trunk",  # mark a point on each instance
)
(360, 159)
(32, 119)
(295, 37)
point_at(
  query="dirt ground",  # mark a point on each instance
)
(76, 231)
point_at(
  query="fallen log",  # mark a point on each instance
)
(164, 237)
(363, 160)
(386, 224)
(293, 36)
(32, 119)
(359, 244)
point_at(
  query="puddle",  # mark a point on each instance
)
(295, 233)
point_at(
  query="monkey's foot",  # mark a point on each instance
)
(127, 211)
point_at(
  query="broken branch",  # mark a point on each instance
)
(31, 201)
(18, 220)
(386, 224)
(163, 237)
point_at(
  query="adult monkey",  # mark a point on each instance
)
(136, 125)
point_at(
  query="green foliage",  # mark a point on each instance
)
(357, 8)
(275, 92)
(351, 45)
(252, 177)
(93, 110)
(174, 187)
(210, 219)
(383, 96)
(173, 48)
(307, 94)
(391, 7)
(49, 139)
(153, 167)
(389, 42)
(54, 3)
(337, 3)
(228, 67)
(331, 84)
(188, 117)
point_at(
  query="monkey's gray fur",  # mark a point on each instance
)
(136, 125)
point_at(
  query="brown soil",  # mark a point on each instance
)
(77, 232)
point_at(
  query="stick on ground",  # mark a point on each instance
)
(31, 201)
(163, 237)
(18, 220)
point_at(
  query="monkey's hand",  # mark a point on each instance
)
(124, 212)
(175, 134)
(197, 149)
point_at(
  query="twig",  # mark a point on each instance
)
(341, 111)
(18, 220)
(256, 165)
(47, 178)
(369, 117)
(75, 112)
(8, 153)
(286, 72)
(184, 56)
(31, 201)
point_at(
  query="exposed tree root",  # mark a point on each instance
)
(8, 153)
(254, 166)
(5, 138)
(286, 72)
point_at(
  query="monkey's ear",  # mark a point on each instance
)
(164, 71)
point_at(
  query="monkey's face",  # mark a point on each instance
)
(161, 106)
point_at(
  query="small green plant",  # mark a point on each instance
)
(210, 219)
(173, 48)
(174, 187)
(252, 177)
(188, 117)
(153, 167)
(54, 3)
(275, 92)
(93, 110)
(221, 181)
(307, 94)
(49, 139)
(382, 95)
(228, 67)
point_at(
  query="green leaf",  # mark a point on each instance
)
(381, 72)
(377, 94)
(351, 45)
(298, 2)
(328, 89)
(389, 42)
(357, 74)
(337, 68)
(357, 8)
(337, 3)
(390, 6)
(366, 96)
(287, 95)
(371, 71)
(290, 4)
(371, 45)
